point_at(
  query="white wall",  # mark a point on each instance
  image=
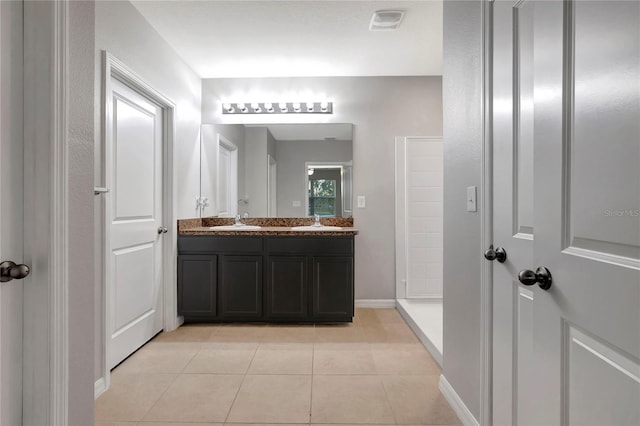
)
(292, 156)
(380, 109)
(123, 32)
(462, 102)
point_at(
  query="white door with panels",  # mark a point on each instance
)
(419, 175)
(227, 183)
(135, 229)
(566, 211)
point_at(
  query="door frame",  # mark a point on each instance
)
(45, 394)
(115, 69)
(486, 215)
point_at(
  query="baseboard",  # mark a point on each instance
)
(99, 387)
(375, 303)
(456, 403)
(424, 339)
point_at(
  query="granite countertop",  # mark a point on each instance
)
(270, 230)
(269, 226)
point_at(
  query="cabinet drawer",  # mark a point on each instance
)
(329, 245)
(219, 244)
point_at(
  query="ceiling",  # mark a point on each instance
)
(309, 132)
(224, 39)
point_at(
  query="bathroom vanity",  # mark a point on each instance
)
(271, 274)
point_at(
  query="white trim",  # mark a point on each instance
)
(99, 387)
(486, 217)
(112, 67)
(60, 222)
(424, 339)
(375, 303)
(456, 403)
(46, 339)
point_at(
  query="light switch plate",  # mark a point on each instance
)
(296, 203)
(362, 201)
(471, 199)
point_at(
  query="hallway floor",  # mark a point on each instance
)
(372, 371)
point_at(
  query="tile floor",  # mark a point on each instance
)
(370, 372)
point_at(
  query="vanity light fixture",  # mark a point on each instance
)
(310, 171)
(322, 107)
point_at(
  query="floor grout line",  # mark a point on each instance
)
(241, 383)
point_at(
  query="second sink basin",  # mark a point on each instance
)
(236, 228)
(316, 228)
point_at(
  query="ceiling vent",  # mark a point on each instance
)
(386, 20)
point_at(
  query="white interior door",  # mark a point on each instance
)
(587, 198)
(11, 210)
(227, 182)
(419, 176)
(134, 165)
(576, 345)
(273, 186)
(513, 206)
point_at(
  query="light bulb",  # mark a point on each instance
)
(256, 107)
(309, 106)
(296, 106)
(310, 172)
(324, 106)
(268, 106)
(242, 107)
(283, 107)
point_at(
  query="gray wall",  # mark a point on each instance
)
(123, 32)
(292, 156)
(380, 109)
(81, 210)
(462, 159)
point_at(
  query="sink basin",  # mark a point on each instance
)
(316, 228)
(236, 228)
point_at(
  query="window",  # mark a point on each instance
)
(322, 197)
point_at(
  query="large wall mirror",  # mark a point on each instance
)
(276, 170)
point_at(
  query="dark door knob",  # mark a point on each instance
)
(498, 254)
(541, 276)
(162, 230)
(10, 271)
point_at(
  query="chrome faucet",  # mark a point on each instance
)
(238, 220)
(317, 220)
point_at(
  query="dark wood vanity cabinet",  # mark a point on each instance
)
(287, 291)
(240, 287)
(265, 278)
(197, 296)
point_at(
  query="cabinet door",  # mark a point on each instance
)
(241, 287)
(287, 287)
(197, 277)
(333, 288)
